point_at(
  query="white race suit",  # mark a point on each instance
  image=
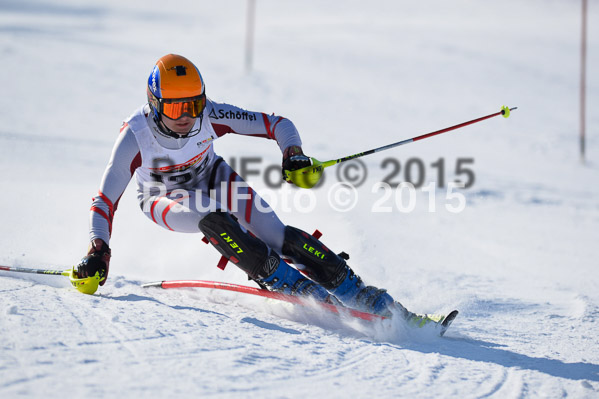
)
(181, 180)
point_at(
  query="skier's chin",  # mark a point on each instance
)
(182, 126)
(183, 129)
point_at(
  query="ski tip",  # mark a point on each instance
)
(449, 318)
(447, 321)
(153, 284)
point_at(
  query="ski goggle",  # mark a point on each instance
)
(177, 108)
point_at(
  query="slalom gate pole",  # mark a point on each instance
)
(309, 176)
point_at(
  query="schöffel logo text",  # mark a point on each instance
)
(246, 116)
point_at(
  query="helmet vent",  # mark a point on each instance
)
(180, 70)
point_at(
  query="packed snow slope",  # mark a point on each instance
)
(519, 260)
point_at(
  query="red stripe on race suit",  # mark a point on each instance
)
(107, 202)
(248, 205)
(136, 163)
(185, 165)
(264, 136)
(168, 208)
(275, 126)
(270, 133)
(232, 178)
(154, 203)
(221, 130)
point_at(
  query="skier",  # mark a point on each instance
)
(184, 186)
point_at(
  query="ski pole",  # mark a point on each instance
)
(37, 271)
(309, 176)
(87, 285)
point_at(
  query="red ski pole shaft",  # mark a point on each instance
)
(447, 129)
(505, 111)
(309, 176)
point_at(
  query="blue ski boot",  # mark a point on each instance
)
(352, 292)
(288, 280)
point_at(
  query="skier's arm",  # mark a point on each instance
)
(125, 158)
(226, 118)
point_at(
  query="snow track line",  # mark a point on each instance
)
(345, 362)
(497, 386)
(72, 303)
(24, 380)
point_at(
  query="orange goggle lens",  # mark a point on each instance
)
(192, 107)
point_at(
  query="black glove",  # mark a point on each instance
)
(294, 159)
(96, 260)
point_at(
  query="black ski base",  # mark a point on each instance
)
(447, 321)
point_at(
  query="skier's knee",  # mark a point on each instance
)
(322, 265)
(247, 252)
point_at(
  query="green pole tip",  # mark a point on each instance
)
(505, 111)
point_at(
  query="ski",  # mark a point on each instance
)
(338, 309)
(442, 322)
(448, 320)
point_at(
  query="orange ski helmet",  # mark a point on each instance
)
(175, 89)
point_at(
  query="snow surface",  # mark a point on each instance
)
(520, 261)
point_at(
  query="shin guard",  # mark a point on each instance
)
(330, 270)
(247, 252)
(321, 264)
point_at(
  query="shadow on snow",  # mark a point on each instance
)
(482, 351)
